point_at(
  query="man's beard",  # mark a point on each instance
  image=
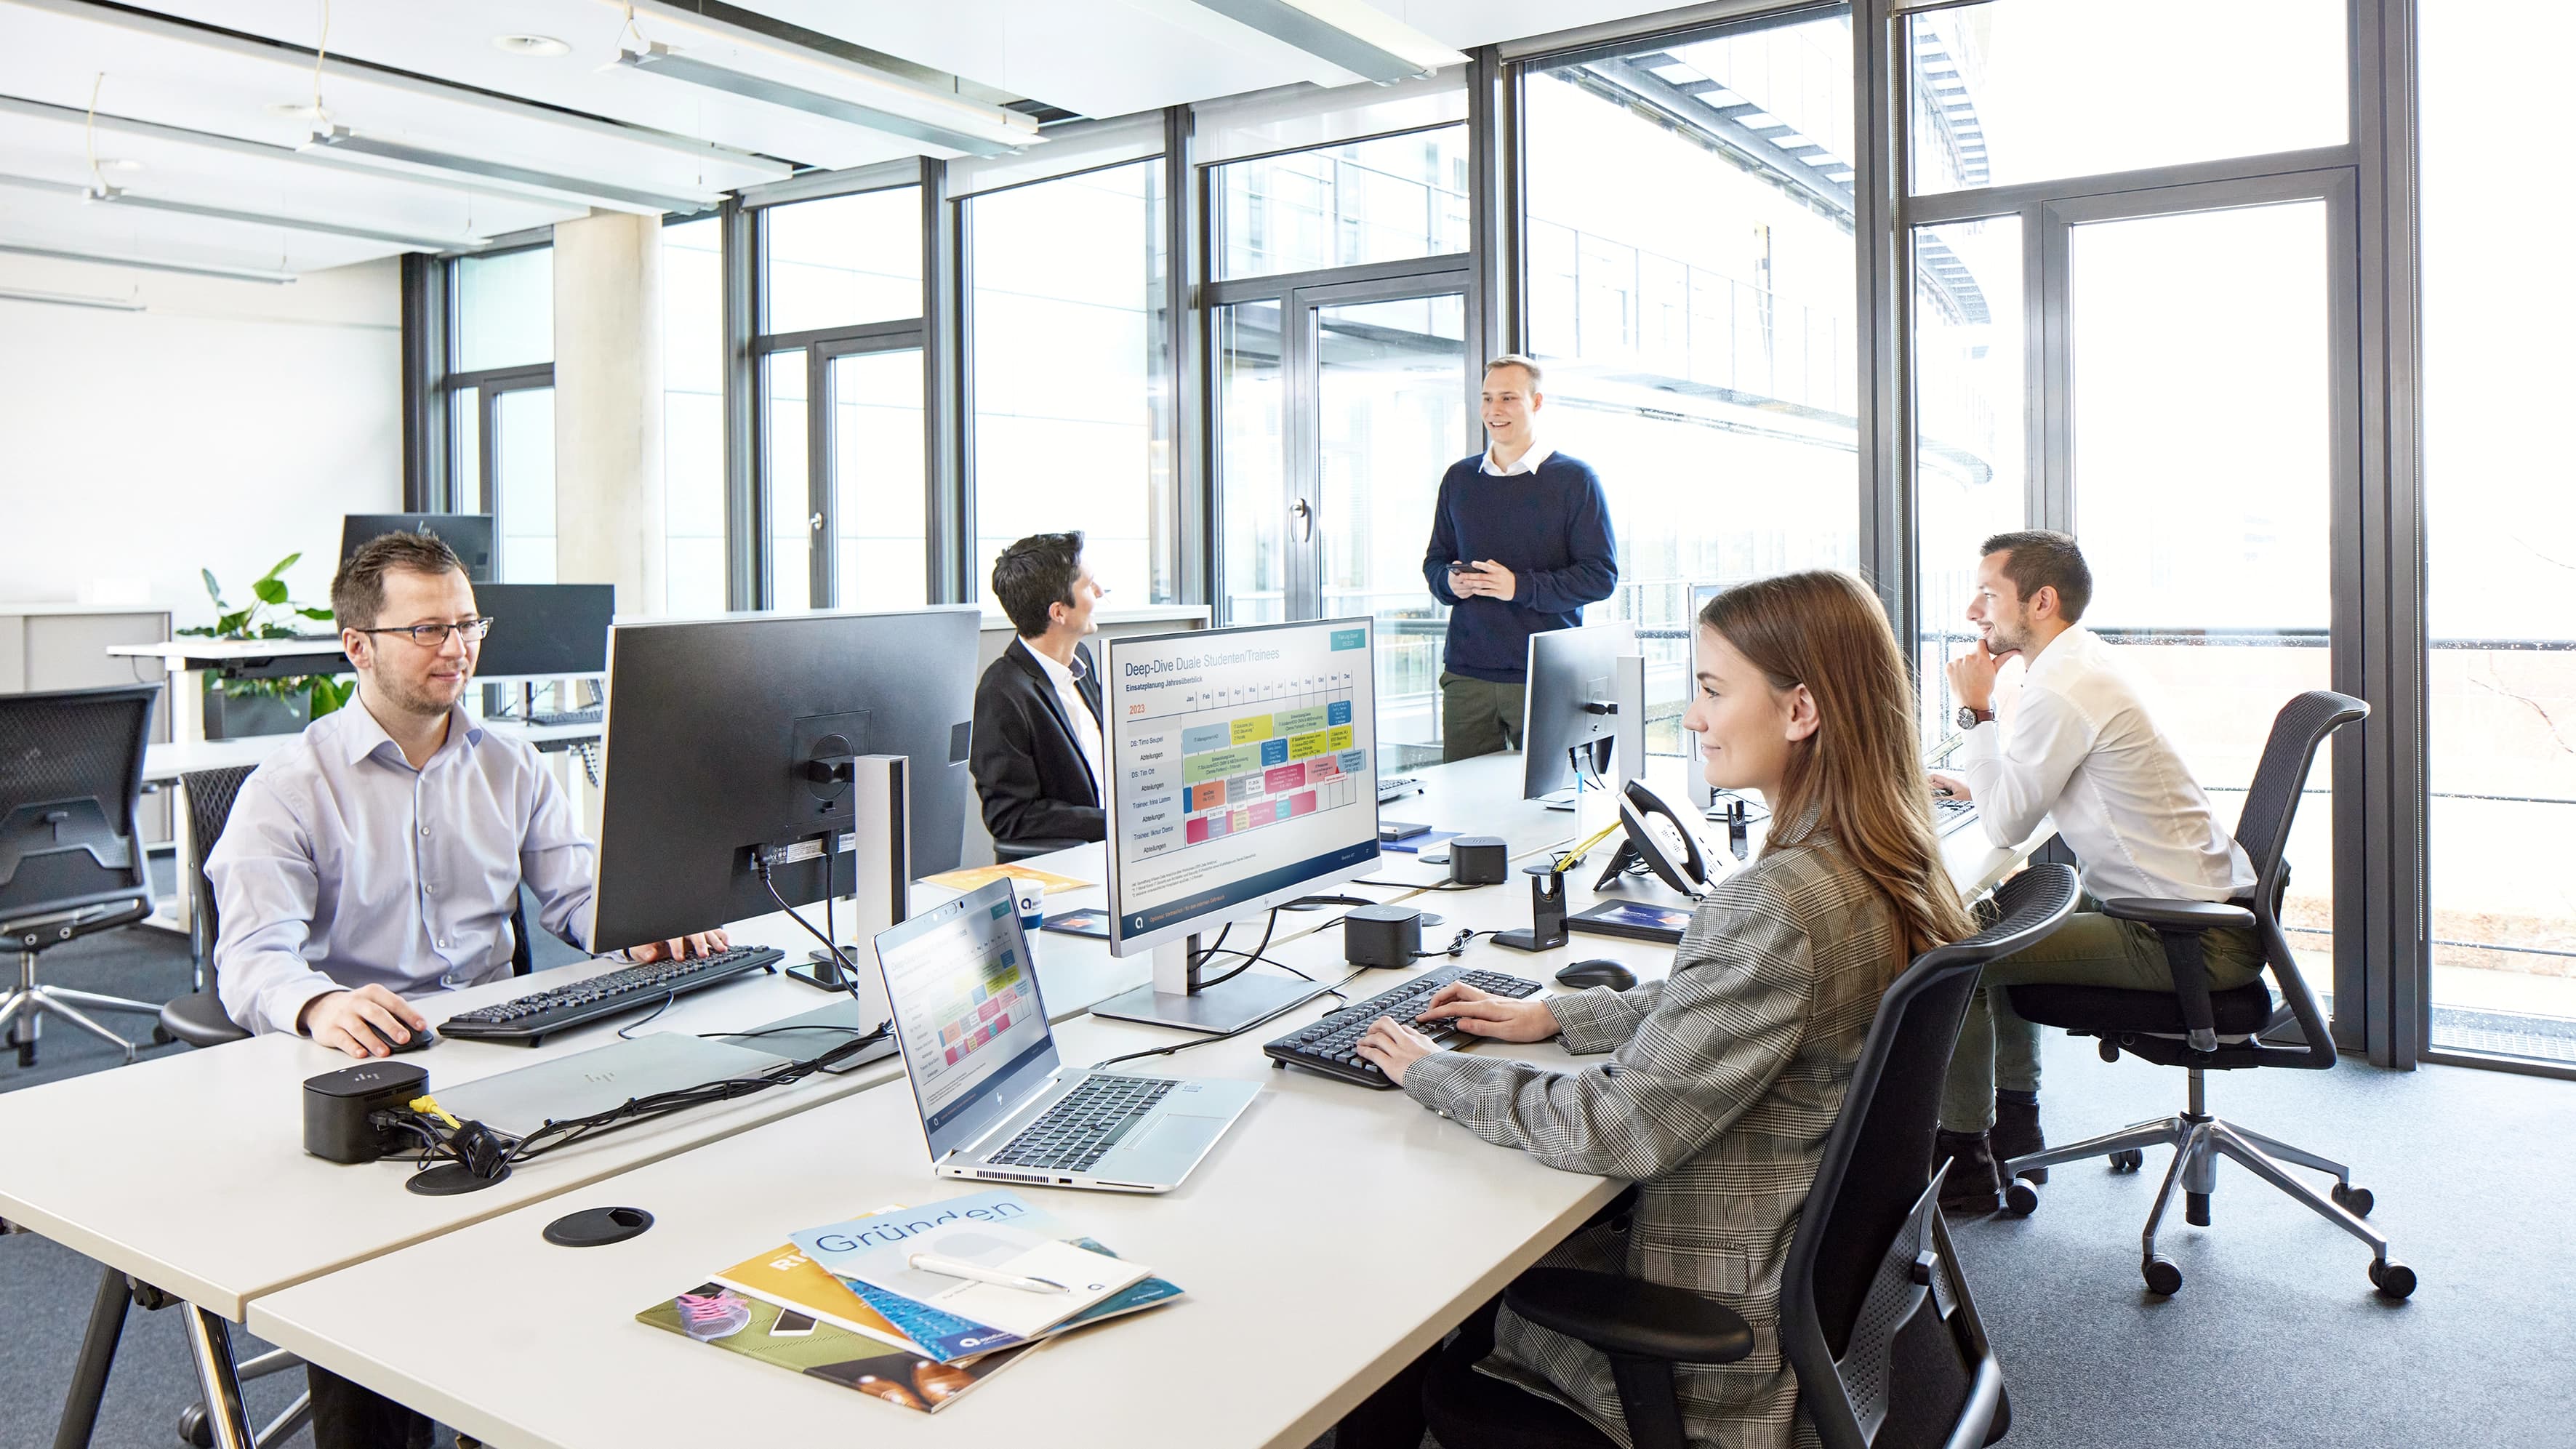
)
(416, 701)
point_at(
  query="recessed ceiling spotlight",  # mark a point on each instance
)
(300, 110)
(542, 45)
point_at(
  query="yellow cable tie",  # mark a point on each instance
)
(429, 1104)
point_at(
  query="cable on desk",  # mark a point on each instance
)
(626, 1032)
(849, 972)
(1270, 925)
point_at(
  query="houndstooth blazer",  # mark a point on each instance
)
(1721, 1084)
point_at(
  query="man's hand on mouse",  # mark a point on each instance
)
(368, 1021)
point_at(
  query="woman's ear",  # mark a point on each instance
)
(1802, 720)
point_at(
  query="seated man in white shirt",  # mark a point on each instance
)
(379, 855)
(2082, 748)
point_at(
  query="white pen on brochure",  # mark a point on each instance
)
(977, 1273)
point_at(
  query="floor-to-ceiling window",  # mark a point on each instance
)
(1068, 369)
(2162, 362)
(1688, 269)
(1338, 332)
(501, 405)
(2500, 546)
(839, 374)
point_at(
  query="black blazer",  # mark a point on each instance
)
(1033, 779)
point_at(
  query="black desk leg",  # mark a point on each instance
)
(97, 1356)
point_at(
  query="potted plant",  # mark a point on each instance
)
(237, 708)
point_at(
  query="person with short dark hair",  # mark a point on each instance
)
(379, 855)
(2084, 749)
(1520, 542)
(1036, 756)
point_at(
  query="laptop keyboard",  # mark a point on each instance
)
(1081, 1129)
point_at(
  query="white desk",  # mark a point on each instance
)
(1332, 1236)
(187, 660)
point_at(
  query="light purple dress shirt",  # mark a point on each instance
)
(342, 866)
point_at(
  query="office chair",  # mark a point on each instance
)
(1875, 1317)
(199, 1019)
(71, 855)
(1007, 851)
(2200, 1030)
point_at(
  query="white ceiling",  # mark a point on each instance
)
(201, 93)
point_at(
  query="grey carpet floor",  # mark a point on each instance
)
(2275, 1340)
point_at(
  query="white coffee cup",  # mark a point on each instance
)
(1030, 897)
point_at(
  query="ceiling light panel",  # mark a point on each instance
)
(163, 70)
(52, 143)
(67, 224)
(453, 40)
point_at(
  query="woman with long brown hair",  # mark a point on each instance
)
(1724, 1078)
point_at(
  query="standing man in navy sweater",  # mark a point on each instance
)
(1520, 542)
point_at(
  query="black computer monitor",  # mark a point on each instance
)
(545, 631)
(470, 534)
(714, 731)
(1573, 702)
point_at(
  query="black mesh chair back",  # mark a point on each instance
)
(210, 795)
(71, 771)
(1871, 1251)
(2272, 801)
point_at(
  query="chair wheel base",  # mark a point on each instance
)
(195, 1429)
(2393, 1279)
(2128, 1159)
(2163, 1277)
(2021, 1198)
(2354, 1200)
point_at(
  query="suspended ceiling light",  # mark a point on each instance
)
(662, 60)
(1347, 33)
(344, 141)
(115, 196)
(105, 259)
(70, 299)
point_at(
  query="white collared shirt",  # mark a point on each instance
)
(2083, 749)
(1527, 462)
(1068, 692)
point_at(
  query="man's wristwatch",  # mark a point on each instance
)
(1969, 717)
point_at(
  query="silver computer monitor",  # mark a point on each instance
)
(1577, 713)
(1243, 774)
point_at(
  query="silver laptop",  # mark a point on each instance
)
(520, 1101)
(996, 1103)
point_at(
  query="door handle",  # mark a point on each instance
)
(1303, 515)
(815, 523)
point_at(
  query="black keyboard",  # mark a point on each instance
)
(1080, 1130)
(531, 1019)
(1326, 1046)
(548, 719)
(1397, 788)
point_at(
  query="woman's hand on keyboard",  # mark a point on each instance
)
(1501, 1018)
(1393, 1046)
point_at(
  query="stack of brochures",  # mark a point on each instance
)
(851, 1303)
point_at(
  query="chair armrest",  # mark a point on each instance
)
(1629, 1316)
(2178, 915)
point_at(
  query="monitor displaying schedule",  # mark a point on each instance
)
(1244, 768)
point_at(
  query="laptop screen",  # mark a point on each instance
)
(967, 1013)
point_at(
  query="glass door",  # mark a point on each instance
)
(1338, 408)
(876, 554)
(2203, 445)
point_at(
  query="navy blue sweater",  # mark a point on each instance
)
(1551, 528)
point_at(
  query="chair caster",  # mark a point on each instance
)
(2021, 1198)
(2354, 1200)
(161, 1037)
(2195, 1208)
(2165, 1279)
(26, 1054)
(195, 1429)
(2393, 1279)
(2128, 1159)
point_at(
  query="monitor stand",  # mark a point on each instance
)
(1176, 998)
(1587, 776)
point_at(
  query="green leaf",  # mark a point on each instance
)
(230, 625)
(324, 614)
(280, 567)
(214, 591)
(271, 590)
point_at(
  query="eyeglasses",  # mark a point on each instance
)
(434, 636)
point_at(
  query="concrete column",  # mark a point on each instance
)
(608, 407)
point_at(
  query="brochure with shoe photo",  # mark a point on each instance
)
(737, 1323)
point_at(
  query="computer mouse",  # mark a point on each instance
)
(424, 1037)
(1597, 972)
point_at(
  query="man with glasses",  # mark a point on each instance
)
(379, 855)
